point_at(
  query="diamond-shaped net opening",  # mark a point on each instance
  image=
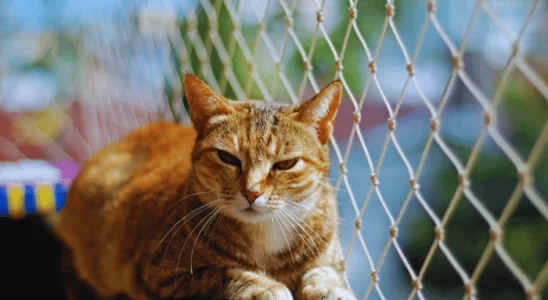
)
(440, 147)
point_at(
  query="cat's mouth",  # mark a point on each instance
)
(253, 213)
(251, 210)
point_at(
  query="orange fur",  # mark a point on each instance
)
(162, 213)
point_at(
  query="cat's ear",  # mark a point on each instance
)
(320, 111)
(203, 102)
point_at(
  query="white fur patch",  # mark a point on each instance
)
(298, 184)
(272, 147)
(260, 202)
(236, 143)
(298, 166)
(216, 119)
(321, 109)
(277, 235)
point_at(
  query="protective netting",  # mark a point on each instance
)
(132, 56)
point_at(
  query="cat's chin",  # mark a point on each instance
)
(251, 216)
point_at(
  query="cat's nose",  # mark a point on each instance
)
(251, 196)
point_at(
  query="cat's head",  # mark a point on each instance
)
(256, 158)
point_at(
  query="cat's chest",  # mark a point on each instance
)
(270, 239)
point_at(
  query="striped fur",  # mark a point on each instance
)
(159, 215)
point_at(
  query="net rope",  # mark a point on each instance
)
(97, 101)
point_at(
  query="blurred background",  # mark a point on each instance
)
(76, 75)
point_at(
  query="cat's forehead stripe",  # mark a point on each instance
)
(261, 124)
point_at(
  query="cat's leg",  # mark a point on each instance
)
(217, 283)
(323, 283)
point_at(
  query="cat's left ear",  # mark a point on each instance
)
(203, 102)
(320, 111)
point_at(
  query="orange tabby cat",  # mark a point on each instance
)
(237, 207)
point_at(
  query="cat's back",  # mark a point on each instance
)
(139, 174)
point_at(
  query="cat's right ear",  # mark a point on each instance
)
(203, 103)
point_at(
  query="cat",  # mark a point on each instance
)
(237, 206)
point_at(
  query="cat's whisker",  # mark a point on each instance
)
(310, 228)
(295, 221)
(186, 241)
(274, 225)
(290, 230)
(304, 207)
(219, 219)
(283, 232)
(204, 228)
(202, 209)
(190, 215)
(186, 197)
(329, 186)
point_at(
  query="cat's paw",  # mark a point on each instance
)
(326, 292)
(275, 292)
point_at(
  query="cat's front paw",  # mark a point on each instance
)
(326, 292)
(275, 292)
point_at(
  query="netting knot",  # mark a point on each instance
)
(390, 10)
(338, 65)
(515, 48)
(235, 26)
(417, 285)
(213, 25)
(357, 117)
(532, 294)
(434, 125)
(410, 70)
(372, 67)
(288, 22)
(353, 13)
(307, 66)
(439, 233)
(393, 231)
(413, 183)
(343, 169)
(495, 235)
(374, 276)
(358, 223)
(251, 67)
(319, 16)
(279, 67)
(524, 176)
(391, 124)
(374, 180)
(457, 62)
(431, 6)
(469, 291)
(486, 119)
(463, 180)
(260, 26)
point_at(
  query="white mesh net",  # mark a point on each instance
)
(439, 151)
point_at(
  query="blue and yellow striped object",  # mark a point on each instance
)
(18, 200)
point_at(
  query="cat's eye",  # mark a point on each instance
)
(228, 158)
(286, 164)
